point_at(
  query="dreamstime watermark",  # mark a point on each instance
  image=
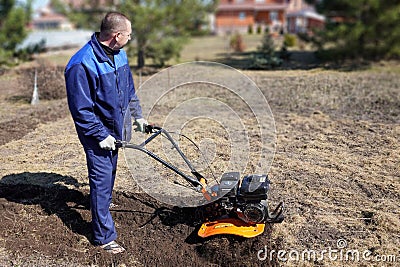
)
(340, 253)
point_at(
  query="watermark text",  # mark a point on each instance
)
(340, 253)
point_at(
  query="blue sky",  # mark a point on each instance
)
(39, 3)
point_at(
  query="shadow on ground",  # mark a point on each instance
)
(54, 193)
(293, 60)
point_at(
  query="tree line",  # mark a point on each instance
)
(367, 29)
(14, 18)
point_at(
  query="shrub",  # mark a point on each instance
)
(236, 43)
(250, 29)
(258, 29)
(263, 62)
(267, 46)
(266, 57)
(290, 40)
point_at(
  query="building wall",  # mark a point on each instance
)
(303, 24)
(314, 23)
(294, 5)
(278, 15)
(239, 15)
(234, 18)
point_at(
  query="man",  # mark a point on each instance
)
(100, 90)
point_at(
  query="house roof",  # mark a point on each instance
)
(50, 17)
(47, 14)
(306, 13)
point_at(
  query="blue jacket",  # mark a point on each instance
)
(99, 94)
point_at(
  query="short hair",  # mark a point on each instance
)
(112, 22)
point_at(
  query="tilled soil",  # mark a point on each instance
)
(50, 226)
(336, 167)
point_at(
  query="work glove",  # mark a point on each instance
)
(108, 143)
(140, 125)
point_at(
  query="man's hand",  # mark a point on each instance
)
(108, 143)
(140, 125)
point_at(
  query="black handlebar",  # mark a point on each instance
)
(151, 128)
(196, 181)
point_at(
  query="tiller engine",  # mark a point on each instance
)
(235, 206)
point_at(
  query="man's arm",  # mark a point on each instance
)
(134, 103)
(81, 105)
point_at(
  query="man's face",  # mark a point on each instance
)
(123, 36)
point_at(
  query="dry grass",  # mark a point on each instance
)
(211, 47)
(206, 48)
(336, 166)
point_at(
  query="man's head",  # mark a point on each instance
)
(115, 30)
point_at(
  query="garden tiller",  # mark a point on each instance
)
(235, 206)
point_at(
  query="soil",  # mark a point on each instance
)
(336, 167)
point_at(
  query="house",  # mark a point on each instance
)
(244, 15)
(48, 19)
(277, 15)
(302, 17)
(53, 31)
(304, 21)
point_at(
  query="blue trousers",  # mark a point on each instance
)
(102, 167)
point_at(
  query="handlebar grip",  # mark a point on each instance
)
(118, 144)
(150, 128)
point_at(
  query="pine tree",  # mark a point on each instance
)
(161, 27)
(359, 28)
(267, 47)
(13, 21)
(266, 56)
(13, 30)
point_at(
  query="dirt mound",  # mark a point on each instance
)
(23, 118)
(49, 80)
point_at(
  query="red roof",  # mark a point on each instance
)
(50, 17)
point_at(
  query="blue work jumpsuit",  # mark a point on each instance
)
(99, 94)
